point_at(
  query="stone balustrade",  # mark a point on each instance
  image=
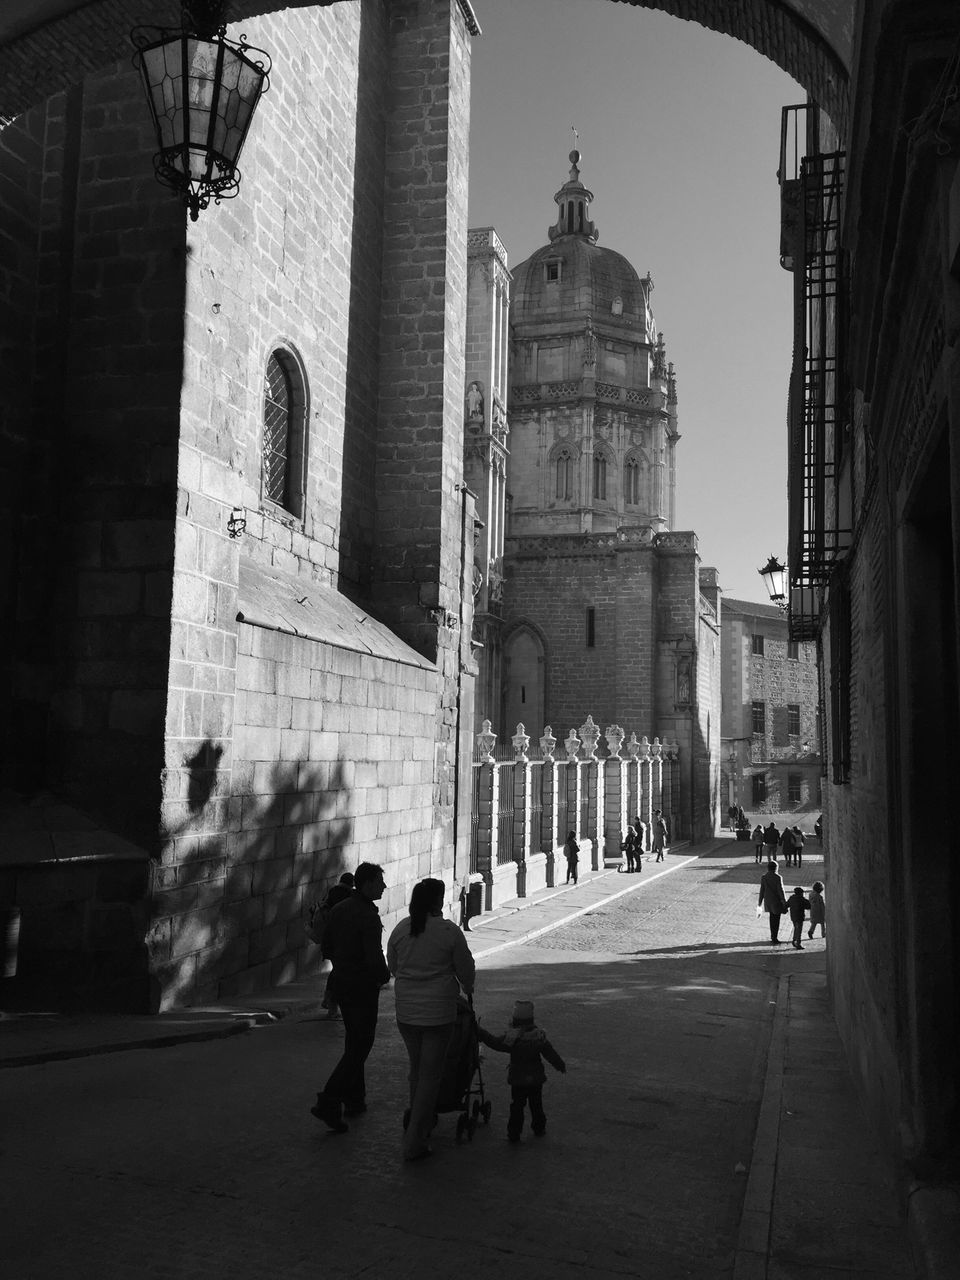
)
(524, 806)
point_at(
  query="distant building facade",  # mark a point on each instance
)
(771, 713)
(591, 603)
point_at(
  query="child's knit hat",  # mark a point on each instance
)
(523, 1011)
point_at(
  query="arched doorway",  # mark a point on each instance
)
(523, 685)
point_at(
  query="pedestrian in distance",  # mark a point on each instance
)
(771, 838)
(798, 906)
(431, 963)
(352, 942)
(787, 845)
(630, 850)
(571, 851)
(338, 893)
(640, 827)
(732, 816)
(527, 1045)
(798, 843)
(818, 910)
(818, 829)
(772, 899)
(757, 838)
(660, 835)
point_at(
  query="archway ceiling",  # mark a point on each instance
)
(45, 45)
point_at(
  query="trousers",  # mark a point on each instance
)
(358, 1008)
(520, 1095)
(426, 1049)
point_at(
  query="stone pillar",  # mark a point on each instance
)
(574, 784)
(551, 838)
(644, 782)
(486, 802)
(423, 322)
(615, 797)
(593, 781)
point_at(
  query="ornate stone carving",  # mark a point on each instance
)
(521, 741)
(614, 736)
(633, 747)
(486, 741)
(572, 745)
(548, 743)
(589, 735)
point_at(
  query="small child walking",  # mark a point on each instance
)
(527, 1046)
(818, 911)
(797, 905)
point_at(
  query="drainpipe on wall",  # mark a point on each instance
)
(465, 493)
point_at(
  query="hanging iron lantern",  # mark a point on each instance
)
(202, 90)
(774, 575)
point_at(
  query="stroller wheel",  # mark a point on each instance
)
(462, 1126)
(486, 1111)
(475, 1110)
(406, 1117)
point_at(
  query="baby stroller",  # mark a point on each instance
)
(461, 1084)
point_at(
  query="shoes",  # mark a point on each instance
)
(513, 1137)
(328, 1110)
(354, 1108)
(539, 1133)
(419, 1155)
(810, 934)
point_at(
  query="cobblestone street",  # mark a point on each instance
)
(202, 1160)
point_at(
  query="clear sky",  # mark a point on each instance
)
(679, 134)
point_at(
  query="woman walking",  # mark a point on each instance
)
(430, 960)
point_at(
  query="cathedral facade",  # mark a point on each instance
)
(594, 603)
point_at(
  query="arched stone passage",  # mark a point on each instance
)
(46, 45)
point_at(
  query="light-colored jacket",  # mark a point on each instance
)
(429, 970)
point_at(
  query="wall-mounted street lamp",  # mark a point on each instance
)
(774, 575)
(202, 90)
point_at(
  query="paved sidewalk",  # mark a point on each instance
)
(820, 1199)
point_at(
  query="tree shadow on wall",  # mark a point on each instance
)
(230, 899)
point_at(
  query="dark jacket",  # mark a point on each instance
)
(353, 941)
(771, 893)
(527, 1046)
(798, 907)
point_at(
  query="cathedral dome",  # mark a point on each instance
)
(573, 274)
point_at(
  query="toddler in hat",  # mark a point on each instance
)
(527, 1046)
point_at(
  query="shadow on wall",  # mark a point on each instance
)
(228, 907)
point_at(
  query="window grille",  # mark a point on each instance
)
(793, 719)
(793, 650)
(284, 418)
(758, 646)
(759, 789)
(794, 788)
(759, 717)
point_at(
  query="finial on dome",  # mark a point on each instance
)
(573, 200)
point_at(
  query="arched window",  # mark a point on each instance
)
(631, 482)
(564, 475)
(284, 432)
(599, 477)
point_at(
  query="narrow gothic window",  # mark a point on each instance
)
(283, 433)
(564, 476)
(631, 482)
(599, 476)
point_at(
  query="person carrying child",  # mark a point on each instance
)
(798, 906)
(527, 1046)
(818, 911)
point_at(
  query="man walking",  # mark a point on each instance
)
(772, 899)
(659, 835)
(352, 941)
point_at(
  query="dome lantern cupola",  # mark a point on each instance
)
(573, 200)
